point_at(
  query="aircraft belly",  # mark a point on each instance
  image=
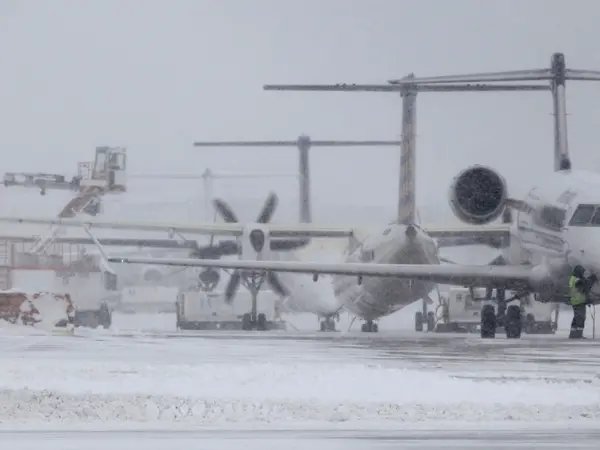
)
(377, 296)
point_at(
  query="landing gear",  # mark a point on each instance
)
(421, 320)
(254, 320)
(513, 324)
(369, 327)
(507, 317)
(328, 324)
(488, 322)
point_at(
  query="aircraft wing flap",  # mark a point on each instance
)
(510, 277)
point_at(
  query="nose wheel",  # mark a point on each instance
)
(369, 327)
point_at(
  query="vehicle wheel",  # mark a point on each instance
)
(488, 322)
(513, 322)
(375, 328)
(246, 322)
(261, 322)
(323, 325)
(419, 321)
(430, 321)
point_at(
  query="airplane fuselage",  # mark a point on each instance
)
(375, 297)
(561, 226)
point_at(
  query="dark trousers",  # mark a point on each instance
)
(578, 322)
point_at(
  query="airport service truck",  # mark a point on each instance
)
(147, 299)
(460, 312)
(199, 310)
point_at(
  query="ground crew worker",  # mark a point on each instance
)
(579, 288)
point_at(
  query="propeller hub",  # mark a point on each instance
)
(257, 239)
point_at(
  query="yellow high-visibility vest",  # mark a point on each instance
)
(577, 297)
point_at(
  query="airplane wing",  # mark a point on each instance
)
(109, 242)
(226, 229)
(494, 236)
(510, 277)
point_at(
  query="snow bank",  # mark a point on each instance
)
(47, 406)
(59, 391)
(51, 310)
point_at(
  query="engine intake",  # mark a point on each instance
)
(478, 195)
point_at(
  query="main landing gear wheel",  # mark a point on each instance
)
(488, 322)
(260, 323)
(419, 321)
(369, 327)
(513, 324)
(328, 324)
(430, 321)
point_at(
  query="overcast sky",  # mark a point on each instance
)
(156, 75)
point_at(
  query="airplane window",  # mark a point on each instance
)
(582, 215)
(596, 218)
(553, 218)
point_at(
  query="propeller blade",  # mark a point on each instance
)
(288, 244)
(224, 210)
(268, 209)
(232, 286)
(276, 285)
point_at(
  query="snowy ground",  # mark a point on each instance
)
(144, 374)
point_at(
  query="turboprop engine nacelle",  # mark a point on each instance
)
(256, 242)
(478, 195)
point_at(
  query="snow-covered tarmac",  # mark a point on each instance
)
(157, 379)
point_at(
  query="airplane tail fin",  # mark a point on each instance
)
(406, 190)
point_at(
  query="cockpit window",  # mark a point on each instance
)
(553, 218)
(582, 215)
(596, 218)
(387, 231)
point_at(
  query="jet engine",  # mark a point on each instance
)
(478, 195)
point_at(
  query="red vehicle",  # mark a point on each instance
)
(20, 307)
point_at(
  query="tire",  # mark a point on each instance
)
(430, 321)
(419, 321)
(323, 325)
(488, 322)
(261, 322)
(375, 328)
(246, 322)
(513, 325)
